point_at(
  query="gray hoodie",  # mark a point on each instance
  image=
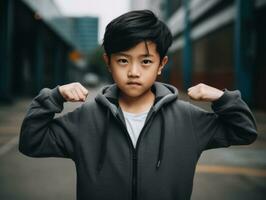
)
(162, 165)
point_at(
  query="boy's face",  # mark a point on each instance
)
(136, 69)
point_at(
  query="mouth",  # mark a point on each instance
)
(134, 83)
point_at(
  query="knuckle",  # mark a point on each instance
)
(200, 93)
(73, 85)
(70, 87)
(201, 85)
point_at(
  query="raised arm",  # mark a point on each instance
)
(41, 134)
(231, 123)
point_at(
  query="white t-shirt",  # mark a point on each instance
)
(135, 123)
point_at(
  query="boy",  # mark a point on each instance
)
(137, 140)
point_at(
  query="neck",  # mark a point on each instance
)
(137, 104)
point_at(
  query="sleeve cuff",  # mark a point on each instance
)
(226, 99)
(57, 97)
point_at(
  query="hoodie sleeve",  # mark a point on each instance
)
(230, 123)
(42, 135)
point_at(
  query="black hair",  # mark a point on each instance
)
(131, 28)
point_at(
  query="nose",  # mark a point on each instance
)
(134, 71)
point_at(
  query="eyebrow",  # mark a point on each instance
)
(127, 55)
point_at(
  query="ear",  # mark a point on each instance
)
(106, 60)
(162, 64)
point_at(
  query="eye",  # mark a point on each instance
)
(122, 61)
(146, 61)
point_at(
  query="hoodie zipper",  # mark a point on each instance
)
(134, 175)
(135, 154)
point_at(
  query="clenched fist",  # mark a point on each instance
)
(203, 92)
(73, 92)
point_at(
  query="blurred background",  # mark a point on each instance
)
(45, 43)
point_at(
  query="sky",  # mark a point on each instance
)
(106, 10)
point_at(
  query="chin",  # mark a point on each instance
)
(133, 94)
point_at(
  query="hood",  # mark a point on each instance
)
(164, 93)
(108, 97)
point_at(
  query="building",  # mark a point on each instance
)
(40, 47)
(86, 33)
(82, 31)
(157, 6)
(217, 42)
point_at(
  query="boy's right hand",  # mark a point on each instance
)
(73, 92)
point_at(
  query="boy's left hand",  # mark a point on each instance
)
(203, 92)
